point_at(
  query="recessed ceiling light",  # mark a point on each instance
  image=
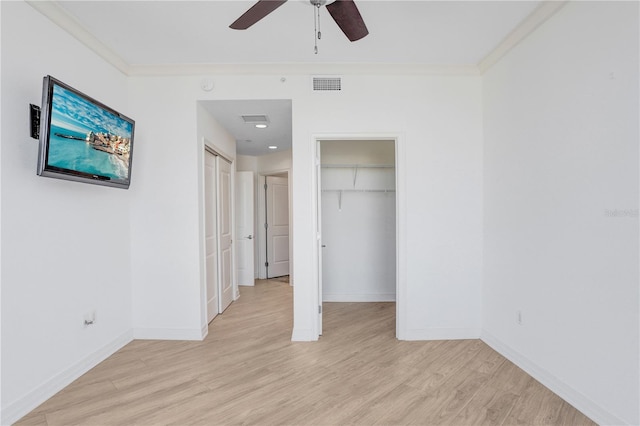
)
(261, 126)
(273, 147)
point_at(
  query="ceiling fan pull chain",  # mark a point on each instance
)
(316, 27)
(319, 32)
(315, 32)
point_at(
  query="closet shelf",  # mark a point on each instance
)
(342, 191)
(358, 190)
(356, 167)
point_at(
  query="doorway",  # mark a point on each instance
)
(277, 226)
(357, 221)
(274, 226)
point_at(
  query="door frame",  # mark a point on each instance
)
(401, 283)
(207, 212)
(241, 237)
(261, 233)
(232, 232)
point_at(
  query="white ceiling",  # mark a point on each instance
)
(151, 36)
(197, 32)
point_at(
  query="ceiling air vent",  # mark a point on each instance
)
(327, 84)
(252, 119)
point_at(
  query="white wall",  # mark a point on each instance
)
(60, 259)
(246, 163)
(442, 206)
(165, 212)
(276, 162)
(167, 221)
(439, 192)
(358, 152)
(561, 207)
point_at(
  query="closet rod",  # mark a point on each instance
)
(362, 166)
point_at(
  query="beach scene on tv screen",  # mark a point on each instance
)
(87, 138)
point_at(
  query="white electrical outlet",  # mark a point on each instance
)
(519, 317)
(89, 318)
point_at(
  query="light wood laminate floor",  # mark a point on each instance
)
(247, 371)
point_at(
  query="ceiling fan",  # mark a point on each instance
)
(344, 12)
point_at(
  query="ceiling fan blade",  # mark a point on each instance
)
(258, 11)
(348, 18)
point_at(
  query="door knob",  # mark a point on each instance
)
(250, 237)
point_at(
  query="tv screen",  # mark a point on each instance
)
(82, 139)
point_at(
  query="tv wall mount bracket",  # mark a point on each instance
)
(34, 114)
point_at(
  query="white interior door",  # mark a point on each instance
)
(244, 228)
(225, 234)
(277, 203)
(211, 249)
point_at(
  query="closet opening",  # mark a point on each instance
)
(358, 232)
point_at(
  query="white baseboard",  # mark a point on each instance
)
(563, 390)
(18, 409)
(439, 334)
(170, 333)
(383, 297)
(205, 331)
(300, 335)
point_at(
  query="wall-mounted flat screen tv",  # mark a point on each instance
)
(82, 139)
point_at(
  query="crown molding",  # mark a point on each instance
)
(302, 69)
(536, 18)
(60, 17)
